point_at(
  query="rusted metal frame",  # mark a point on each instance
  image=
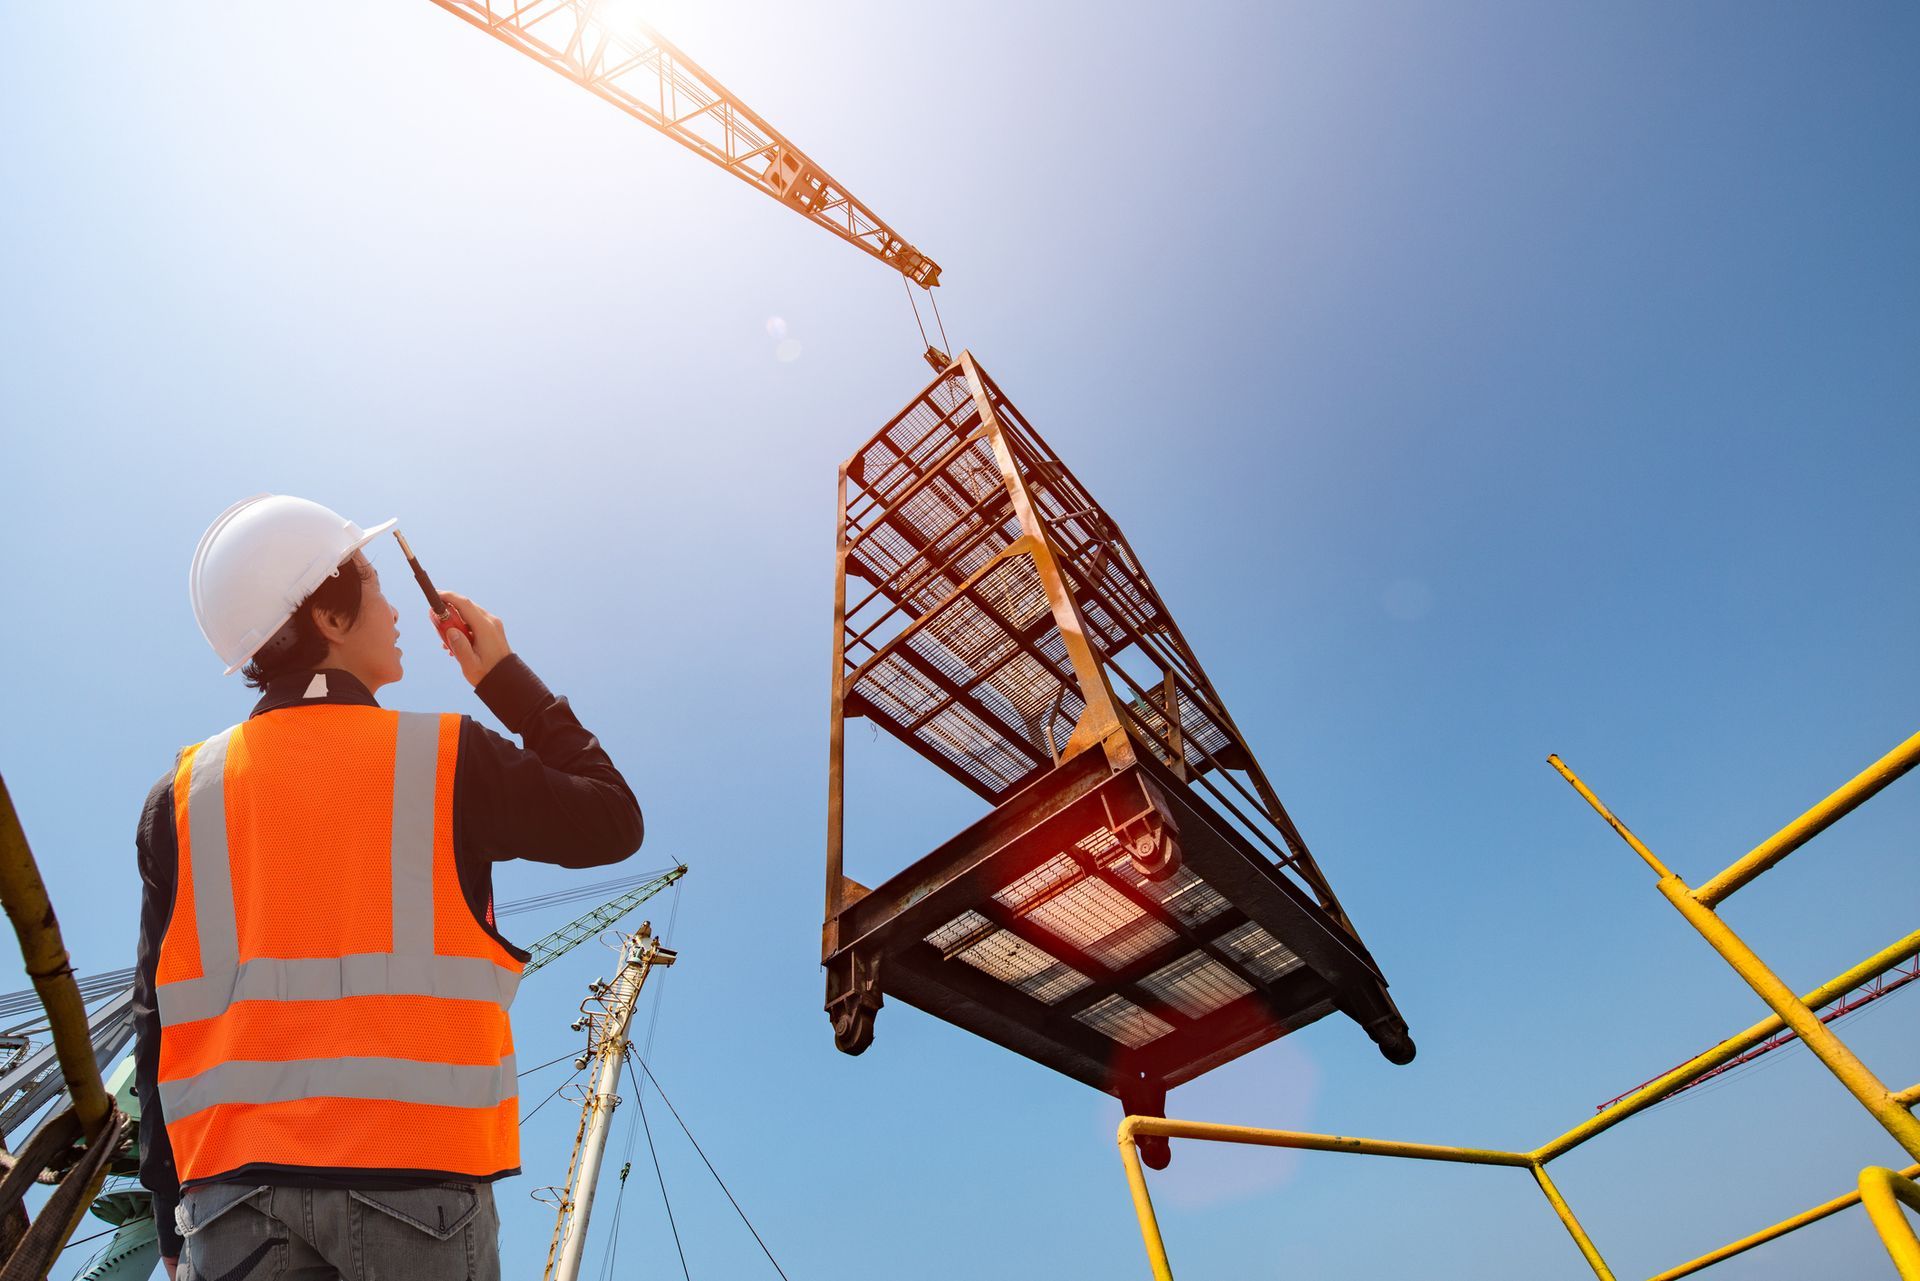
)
(1100, 721)
(924, 550)
(1024, 644)
(970, 999)
(1214, 928)
(837, 739)
(891, 586)
(1199, 675)
(1197, 939)
(941, 418)
(1242, 875)
(944, 570)
(1030, 931)
(1176, 729)
(1019, 547)
(1019, 834)
(1169, 657)
(1301, 997)
(966, 698)
(934, 469)
(1285, 856)
(1020, 646)
(951, 421)
(858, 705)
(1026, 639)
(1269, 803)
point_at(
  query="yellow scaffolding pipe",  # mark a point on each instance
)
(1765, 1235)
(1810, 824)
(1882, 1191)
(1661, 1086)
(31, 911)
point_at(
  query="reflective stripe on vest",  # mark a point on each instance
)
(198, 1014)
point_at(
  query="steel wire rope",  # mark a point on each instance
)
(659, 991)
(905, 284)
(944, 344)
(549, 1063)
(543, 1102)
(710, 1170)
(95, 1237)
(626, 1158)
(640, 1110)
(576, 894)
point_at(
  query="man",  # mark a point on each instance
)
(325, 1062)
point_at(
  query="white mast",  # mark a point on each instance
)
(608, 1044)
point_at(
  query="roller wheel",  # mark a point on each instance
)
(853, 1028)
(1155, 856)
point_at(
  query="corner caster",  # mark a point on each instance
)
(853, 1028)
(1155, 855)
(1394, 1043)
(853, 1001)
(1151, 840)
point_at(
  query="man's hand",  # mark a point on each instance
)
(172, 1266)
(489, 645)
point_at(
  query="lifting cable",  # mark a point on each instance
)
(944, 344)
(710, 1170)
(908, 286)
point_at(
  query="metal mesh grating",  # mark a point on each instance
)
(1186, 897)
(1264, 956)
(1020, 964)
(1063, 899)
(1117, 1017)
(963, 930)
(1195, 984)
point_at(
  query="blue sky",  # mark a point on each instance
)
(1476, 382)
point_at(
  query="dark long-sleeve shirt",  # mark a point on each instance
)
(559, 800)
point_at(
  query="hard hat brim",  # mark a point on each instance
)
(367, 535)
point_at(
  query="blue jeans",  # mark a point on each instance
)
(448, 1232)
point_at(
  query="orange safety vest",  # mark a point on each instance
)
(327, 998)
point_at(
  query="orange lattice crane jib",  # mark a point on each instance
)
(632, 66)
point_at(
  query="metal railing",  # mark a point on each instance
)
(1881, 1190)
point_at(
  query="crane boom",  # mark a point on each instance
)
(640, 72)
(577, 931)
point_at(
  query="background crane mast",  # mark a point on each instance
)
(635, 68)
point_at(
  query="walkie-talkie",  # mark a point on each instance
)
(445, 617)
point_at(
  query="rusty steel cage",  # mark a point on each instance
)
(1137, 907)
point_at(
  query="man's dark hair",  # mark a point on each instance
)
(298, 646)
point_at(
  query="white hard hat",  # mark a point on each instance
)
(258, 561)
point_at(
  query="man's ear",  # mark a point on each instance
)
(332, 625)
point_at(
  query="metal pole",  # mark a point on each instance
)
(639, 955)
